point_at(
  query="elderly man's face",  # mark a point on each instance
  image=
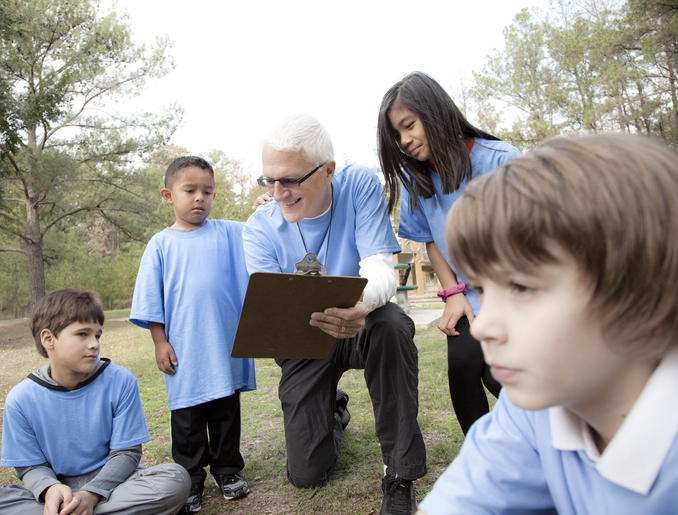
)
(309, 199)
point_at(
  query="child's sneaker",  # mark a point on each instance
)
(194, 502)
(232, 486)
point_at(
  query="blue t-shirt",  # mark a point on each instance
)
(360, 228)
(508, 464)
(194, 282)
(73, 431)
(427, 222)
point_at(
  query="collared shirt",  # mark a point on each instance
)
(643, 439)
(519, 461)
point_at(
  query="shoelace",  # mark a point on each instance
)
(399, 497)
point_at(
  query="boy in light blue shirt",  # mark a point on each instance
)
(573, 250)
(74, 428)
(189, 292)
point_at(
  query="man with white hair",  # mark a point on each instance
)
(339, 214)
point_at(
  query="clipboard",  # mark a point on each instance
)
(277, 308)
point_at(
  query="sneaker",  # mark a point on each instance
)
(340, 408)
(194, 502)
(399, 498)
(232, 486)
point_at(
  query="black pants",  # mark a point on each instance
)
(466, 373)
(208, 434)
(385, 349)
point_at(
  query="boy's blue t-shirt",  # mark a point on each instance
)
(73, 431)
(427, 222)
(194, 283)
(360, 228)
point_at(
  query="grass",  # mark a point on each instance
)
(355, 484)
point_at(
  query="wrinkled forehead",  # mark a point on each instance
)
(278, 163)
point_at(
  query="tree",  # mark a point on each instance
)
(521, 77)
(66, 67)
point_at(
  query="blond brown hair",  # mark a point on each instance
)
(610, 200)
(62, 307)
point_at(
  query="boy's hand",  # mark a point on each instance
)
(261, 200)
(165, 358)
(341, 322)
(82, 503)
(456, 306)
(56, 497)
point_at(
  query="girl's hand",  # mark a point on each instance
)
(261, 200)
(456, 306)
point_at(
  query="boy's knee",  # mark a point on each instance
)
(171, 479)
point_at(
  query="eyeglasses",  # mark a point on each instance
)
(287, 182)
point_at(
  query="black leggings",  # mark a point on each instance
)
(466, 373)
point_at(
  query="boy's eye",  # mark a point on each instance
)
(520, 288)
(472, 288)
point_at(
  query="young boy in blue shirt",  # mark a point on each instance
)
(74, 428)
(573, 250)
(189, 292)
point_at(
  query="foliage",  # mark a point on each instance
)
(588, 65)
(65, 67)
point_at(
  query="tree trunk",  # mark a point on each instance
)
(36, 262)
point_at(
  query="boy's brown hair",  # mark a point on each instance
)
(62, 307)
(610, 200)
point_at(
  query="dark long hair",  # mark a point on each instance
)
(447, 131)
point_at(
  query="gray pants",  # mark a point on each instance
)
(159, 490)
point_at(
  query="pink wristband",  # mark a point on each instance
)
(459, 288)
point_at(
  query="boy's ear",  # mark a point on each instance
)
(47, 339)
(166, 195)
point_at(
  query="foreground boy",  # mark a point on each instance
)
(574, 252)
(189, 293)
(73, 430)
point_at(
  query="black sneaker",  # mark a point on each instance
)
(232, 486)
(399, 498)
(340, 408)
(194, 502)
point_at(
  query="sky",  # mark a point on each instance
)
(242, 65)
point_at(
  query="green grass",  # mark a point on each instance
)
(355, 484)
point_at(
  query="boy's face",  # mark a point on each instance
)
(191, 196)
(73, 354)
(543, 344)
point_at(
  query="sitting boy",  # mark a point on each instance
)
(73, 430)
(573, 249)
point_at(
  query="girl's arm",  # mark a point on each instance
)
(456, 306)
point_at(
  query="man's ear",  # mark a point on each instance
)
(47, 339)
(166, 195)
(329, 170)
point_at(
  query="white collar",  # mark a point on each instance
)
(634, 456)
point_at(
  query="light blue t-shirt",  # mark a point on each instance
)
(360, 228)
(194, 282)
(73, 431)
(427, 222)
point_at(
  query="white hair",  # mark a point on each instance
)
(304, 134)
